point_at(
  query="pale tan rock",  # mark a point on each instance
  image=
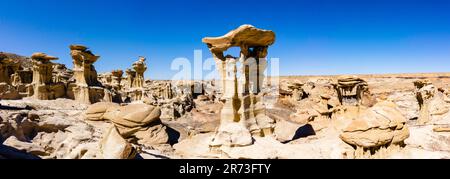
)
(431, 101)
(25, 146)
(240, 121)
(44, 88)
(96, 111)
(377, 127)
(136, 115)
(7, 67)
(352, 90)
(139, 67)
(87, 89)
(130, 75)
(140, 121)
(113, 146)
(117, 79)
(286, 131)
(135, 80)
(244, 35)
(232, 135)
(441, 129)
(153, 135)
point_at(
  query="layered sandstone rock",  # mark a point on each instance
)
(43, 85)
(431, 101)
(319, 105)
(5, 63)
(116, 80)
(135, 80)
(243, 114)
(174, 99)
(376, 131)
(139, 122)
(8, 67)
(113, 146)
(352, 90)
(86, 89)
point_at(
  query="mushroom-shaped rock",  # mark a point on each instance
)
(78, 47)
(42, 56)
(347, 80)
(377, 126)
(245, 34)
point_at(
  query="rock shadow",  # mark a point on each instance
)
(304, 131)
(174, 135)
(12, 153)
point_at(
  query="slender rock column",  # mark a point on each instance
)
(243, 115)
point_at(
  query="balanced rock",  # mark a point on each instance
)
(243, 115)
(244, 35)
(113, 146)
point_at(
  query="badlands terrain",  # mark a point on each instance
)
(49, 111)
(58, 129)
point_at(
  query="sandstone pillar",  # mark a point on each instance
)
(87, 88)
(43, 86)
(136, 80)
(243, 114)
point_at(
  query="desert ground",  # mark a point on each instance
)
(58, 129)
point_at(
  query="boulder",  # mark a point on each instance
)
(378, 126)
(134, 115)
(113, 146)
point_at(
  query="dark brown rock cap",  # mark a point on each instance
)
(348, 80)
(3, 56)
(78, 47)
(42, 56)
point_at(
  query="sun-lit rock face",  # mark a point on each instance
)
(86, 89)
(351, 90)
(377, 128)
(245, 35)
(243, 114)
(8, 77)
(4, 63)
(433, 106)
(43, 86)
(134, 84)
(139, 121)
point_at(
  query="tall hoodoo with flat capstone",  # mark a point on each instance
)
(6, 68)
(87, 88)
(135, 80)
(243, 114)
(351, 90)
(43, 86)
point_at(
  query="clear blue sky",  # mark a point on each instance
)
(313, 37)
